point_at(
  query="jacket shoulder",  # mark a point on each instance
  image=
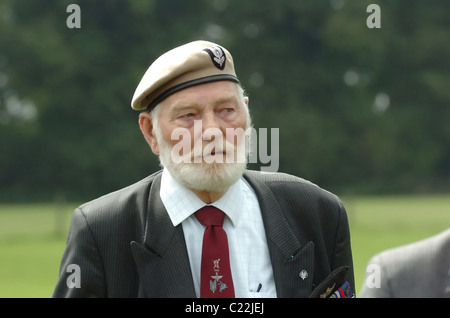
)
(275, 176)
(123, 195)
(280, 182)
(414, 253)
(127, 202)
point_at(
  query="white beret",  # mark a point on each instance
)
(191, 64)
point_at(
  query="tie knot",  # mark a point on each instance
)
(209, 215)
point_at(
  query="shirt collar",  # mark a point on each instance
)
(181, 202)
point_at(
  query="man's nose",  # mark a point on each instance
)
(211, 126)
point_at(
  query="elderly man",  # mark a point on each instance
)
(205, 226)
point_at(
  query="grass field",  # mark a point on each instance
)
(32, 236)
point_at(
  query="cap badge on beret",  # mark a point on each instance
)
(217, 56)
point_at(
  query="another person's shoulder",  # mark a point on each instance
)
(416, 269)
(424, 250)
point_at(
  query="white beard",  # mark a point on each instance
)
(215, 176)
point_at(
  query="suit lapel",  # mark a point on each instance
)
(292, 263)
(161, 259)
(163, 264)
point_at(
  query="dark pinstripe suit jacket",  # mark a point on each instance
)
(126, 246)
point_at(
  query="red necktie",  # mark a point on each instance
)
(216, 280)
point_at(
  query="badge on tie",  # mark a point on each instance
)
(216, 279)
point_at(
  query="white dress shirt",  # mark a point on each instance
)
(249, 255)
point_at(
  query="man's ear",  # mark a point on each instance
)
(146, 126)
(246, 100)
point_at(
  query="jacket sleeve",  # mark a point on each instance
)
(81, 270)
(343, 251)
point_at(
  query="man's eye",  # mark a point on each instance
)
(188, 115)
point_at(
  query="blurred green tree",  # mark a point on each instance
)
(359, 110)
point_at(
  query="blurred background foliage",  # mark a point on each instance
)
(359, 110)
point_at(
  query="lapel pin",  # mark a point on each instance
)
(303, 274)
